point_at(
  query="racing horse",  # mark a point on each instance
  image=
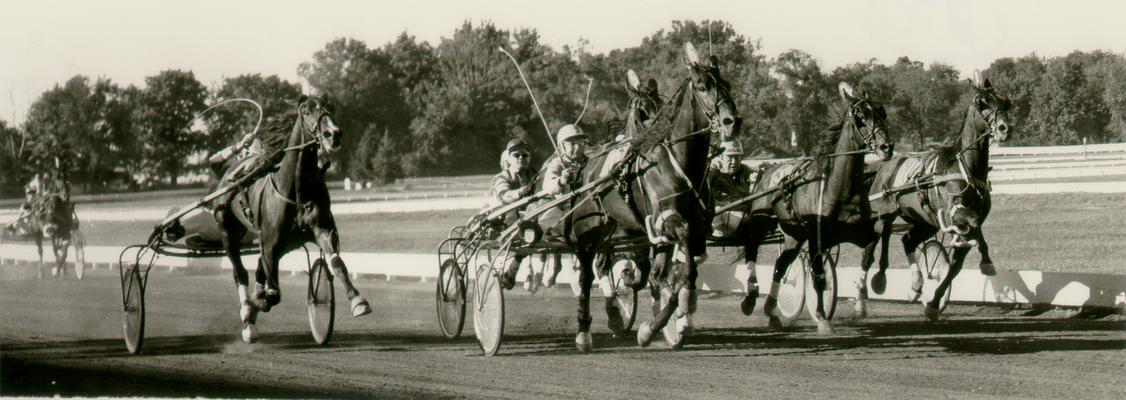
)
(285, 208)
(660, 196)
(820, 200)
(53, 219)
(956, 200)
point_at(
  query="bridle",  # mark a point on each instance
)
(868, 134)
(306, 131)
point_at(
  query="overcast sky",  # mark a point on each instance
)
(45, 42)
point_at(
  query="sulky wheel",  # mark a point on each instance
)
(829, 299)
(79, 243)
(133, 321)
(791, 292)
(450, 298)
(321, 302)
(488, 309)
(936, 265)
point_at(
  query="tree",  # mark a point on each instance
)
(60, 126)
(805, 108)
(228, 123)
(168, 103)
(15, 173)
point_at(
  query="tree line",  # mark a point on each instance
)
(411, 108)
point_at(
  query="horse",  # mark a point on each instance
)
(53, 219)
(286, 208)
(957, 201)
(816, 200)
(659, 197)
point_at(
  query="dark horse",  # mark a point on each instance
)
(660, 197)
(53, 219)
(957, 201)
(820, 199)
(286, 208)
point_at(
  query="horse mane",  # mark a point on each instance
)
(275, 134)
(827, 144)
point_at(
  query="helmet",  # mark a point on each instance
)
(569, 132)
(516, 144)
(732, 148)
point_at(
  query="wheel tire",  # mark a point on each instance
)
(936, 265)
(450, 299)
(79, 254)
(488, 310)
(829, 300)
(133, 321)
(321, 302)
(792, 293)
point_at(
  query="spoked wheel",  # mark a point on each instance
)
(450, 297)
(791, 292)
(488, 310)
(936, 265)
(133, 322)
(622, 274)
(321, 302)
(79, 243)
(829, 298)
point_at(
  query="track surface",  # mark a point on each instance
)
(63, 337)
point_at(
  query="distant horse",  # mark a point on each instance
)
(660, 197)
(819, 200)
(957, 202)
(286, 208)
(53, 219)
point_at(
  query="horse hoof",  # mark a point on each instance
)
(273, 297)
(861, 308)
(987, 269)
(584, 342)
(684, 325)
(931, 312)
(644, 335)
(360, 307)
(879, 282)
(915, 294)
(249, 333)
(775, 323)
(247, 312)
(614, 320)
(748, 304)
(824, 327)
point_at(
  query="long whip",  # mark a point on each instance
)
(530, 93)
(586, 101)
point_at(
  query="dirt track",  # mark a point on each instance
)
(63, 337)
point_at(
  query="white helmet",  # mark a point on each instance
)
(732, 148)
(569, 132)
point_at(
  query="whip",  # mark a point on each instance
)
(534, 102)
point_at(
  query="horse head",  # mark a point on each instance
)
(314, 115)
(867, 119)
(53, 215)
(711, 94)
(991, 108)
(644, 102)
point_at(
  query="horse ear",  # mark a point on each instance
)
(714, 61)
(978, 81)
(987, 84)
(634, 81)
(865, 94)
(653, 87)
(691, 55)
(846, 92)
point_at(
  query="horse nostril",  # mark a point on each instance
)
(1003, 128)
(728, 121)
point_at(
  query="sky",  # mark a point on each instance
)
(45, 42)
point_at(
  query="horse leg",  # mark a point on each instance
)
(60, 248)
(986, 265)
(610, 295)
(39, 249)
(583, 340)
(750, 257)
(933, 308)
(663, 299)
(880, 281)
(817, 267)
(911, 241)
(686, 295)
(231, 236)
(329, 241)
(790, 250)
